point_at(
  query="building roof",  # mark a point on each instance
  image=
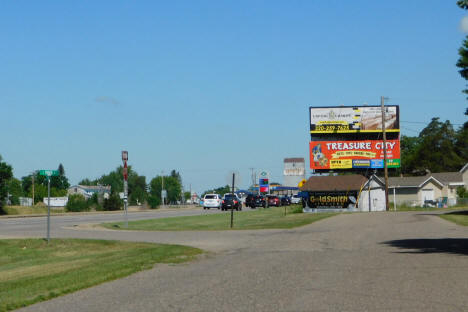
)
(441, 178)
(93, 187)
(291, 160)
(449, 177)
(352, 182)
(465, 167)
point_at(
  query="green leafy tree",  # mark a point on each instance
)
(220, 190)
(173, 186)
(461, 145)
(60, 182)
(462, 192)
(6, 173)
(436, 150)
(87, 182)
(463, 4)
(77, 203)
(113, 202)
(15, 190)
(187, 196)
(408, 146)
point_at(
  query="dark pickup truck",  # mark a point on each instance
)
(231, 201)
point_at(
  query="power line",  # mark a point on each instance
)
(425, 123)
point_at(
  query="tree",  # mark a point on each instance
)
(187, 196)
(172, 184)
(15, 190)
(76, 203)
(408, 146)
(436, 149)
(463, 4)
(113, 202)
(6, 173)
(60, 182)
(220, 190)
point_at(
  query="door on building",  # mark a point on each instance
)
(427, 194)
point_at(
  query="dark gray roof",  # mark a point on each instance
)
(297, 159)
(406, 181)
(448, 177)
(444, 178)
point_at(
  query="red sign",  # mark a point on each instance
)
(125, 171)
(353, 154)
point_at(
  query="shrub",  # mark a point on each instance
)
(76, 203)
(113, 202)
(153, 201)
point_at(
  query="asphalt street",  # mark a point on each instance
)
(406, 261)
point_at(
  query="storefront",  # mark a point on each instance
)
(343, 193)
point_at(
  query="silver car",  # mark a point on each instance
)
(212, 201)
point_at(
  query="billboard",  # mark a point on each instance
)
(353, 119)
(332, 199)
(353, 154)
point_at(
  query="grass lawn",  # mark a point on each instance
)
(32, 270)
(28, 210)
(458, 217)
(269, 218)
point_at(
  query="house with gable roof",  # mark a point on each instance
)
(438, 187)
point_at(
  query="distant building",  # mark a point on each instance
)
(294, 171)
(88, 190)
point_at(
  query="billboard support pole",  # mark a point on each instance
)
(382, 100)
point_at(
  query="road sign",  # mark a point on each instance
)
(49, 173)
(124, 155)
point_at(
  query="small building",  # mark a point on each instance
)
(88, 190)
(438, 187)
(343, 193)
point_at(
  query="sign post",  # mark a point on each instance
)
(264, 184)
(48, 174)
(125, 176)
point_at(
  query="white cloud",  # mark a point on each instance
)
(464, 24)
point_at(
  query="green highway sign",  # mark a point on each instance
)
(49, 173)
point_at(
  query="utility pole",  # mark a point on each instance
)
(34, 173)
(382, 100)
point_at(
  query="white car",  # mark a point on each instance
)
(212, 201)
(295, 199)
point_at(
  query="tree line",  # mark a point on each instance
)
(139, 192)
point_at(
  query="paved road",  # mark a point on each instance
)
(37, 226)
(351, 262)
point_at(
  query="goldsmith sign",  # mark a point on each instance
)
(332, 199)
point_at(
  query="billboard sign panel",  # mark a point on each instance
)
(353, 119)
(353, 154)
(332, 199)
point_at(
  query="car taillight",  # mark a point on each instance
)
(235, 202)
(223, 201)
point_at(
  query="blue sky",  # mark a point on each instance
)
(207, 87)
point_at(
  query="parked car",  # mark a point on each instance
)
(273, 200)
(231, 201)
(295, 199)
(285, 201)
(254, 201)
(212, 201)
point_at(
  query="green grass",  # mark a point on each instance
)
(29, 210)
(458, 217)
(32, 270)
(270, 218)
